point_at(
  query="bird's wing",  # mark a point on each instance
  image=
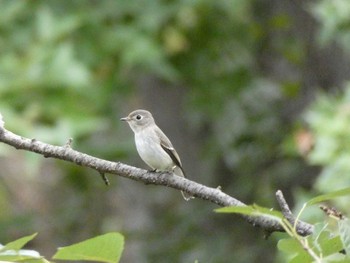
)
(169, 149)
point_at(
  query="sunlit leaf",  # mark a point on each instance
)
(104, 248)
(290, 246)
(319, 234)
(302, 258)
(244, 210)
(294, 250)
(12, 252)
(331, 246)
(344, 232)
(253, 210)
(329, 196)
(19, 243)
(20, 255)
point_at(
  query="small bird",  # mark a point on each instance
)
(153, 146)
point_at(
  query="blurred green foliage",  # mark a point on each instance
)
(334, 17)
(329, 122)
(70, 68)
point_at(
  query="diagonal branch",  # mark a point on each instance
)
(287, 213)
(214, 195)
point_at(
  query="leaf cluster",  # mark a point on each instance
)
(104, 248)
(326, 244)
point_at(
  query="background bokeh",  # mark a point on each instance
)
(255, 96)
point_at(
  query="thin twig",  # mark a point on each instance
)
(287, 213)
(105, 178)
(291, 225)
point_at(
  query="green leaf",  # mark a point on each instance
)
(244, 210)
(331, 246)
(329, 196)
(322, 244)
(319, 235)
(294, 250)
(21, 255)
(104, 248)
(326, 246)
(290, 246)
(18, 244)
(13, 252)
(253, 210)
(302, 258)
(344, 232)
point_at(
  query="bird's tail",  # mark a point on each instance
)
(180, 172)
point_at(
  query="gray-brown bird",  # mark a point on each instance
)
(153, 146)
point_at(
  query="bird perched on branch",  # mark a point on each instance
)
(153, 146)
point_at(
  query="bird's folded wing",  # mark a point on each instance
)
(169, 149)
(172, 153)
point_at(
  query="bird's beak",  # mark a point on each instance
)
(124, 119)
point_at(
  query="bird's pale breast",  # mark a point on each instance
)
(151, 152)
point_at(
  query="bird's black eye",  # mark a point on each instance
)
(138, 117)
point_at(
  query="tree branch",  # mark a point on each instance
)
(287, 213)
(214, 195)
